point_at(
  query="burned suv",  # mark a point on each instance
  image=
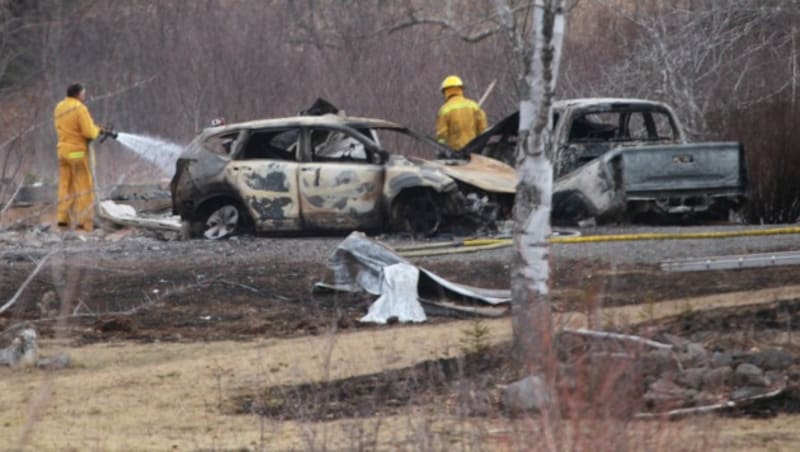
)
(331, 173)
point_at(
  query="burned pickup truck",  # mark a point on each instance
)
(628, 159)
(330, 172)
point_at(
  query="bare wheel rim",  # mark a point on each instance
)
(421, 215)
(222, 222)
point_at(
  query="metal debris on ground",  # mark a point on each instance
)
(24, 352)
(359, 264)
(125, 215)
(398, 296)
(732, 262)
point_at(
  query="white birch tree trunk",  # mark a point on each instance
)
(531, 310)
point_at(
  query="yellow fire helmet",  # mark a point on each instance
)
(452, 80)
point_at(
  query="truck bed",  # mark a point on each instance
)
(704, 167)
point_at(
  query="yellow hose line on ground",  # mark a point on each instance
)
(429, 246)
(501, 243)
(475, 245)
(453, 244)
(482, 242)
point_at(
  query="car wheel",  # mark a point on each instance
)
(222, 222)
(187, 230)
(418, 213)
(570, 210)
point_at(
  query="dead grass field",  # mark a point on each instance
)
(177, 396)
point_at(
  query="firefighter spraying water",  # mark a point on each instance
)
(76, 128)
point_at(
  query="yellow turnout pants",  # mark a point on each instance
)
(75, 192)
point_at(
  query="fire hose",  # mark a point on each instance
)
(473, 245)
(469, 245)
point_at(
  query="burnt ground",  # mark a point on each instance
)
(149, 288)
(146, 289)
(470, 385)
(461, 384)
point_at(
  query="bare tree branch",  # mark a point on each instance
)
(27, 281)
(123, 89)
(618, 336)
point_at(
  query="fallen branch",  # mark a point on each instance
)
(78, 307)
(251, 288)
(708, 408)
(79, 315)
(618, 336)
(27, 281)
(11, 199)
(236, 284)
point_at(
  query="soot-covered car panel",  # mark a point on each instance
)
(325, 173)
(628, 158)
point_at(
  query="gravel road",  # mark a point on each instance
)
(132, 244)
(655, 251)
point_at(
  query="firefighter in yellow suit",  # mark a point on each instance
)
(75, 129)
(460, 119)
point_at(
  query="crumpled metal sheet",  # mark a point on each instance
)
(126, 215)
(359, 262)
(398, 296)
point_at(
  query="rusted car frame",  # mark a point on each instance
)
(618, 159)
(642, 165)
(324, 173)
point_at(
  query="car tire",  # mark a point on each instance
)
(570, 209)
(418, 213)
(188, 229)
(223, 222)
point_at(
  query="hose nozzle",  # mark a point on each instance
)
(106, 132)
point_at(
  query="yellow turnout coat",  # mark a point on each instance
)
(460, 120)
(75, 128)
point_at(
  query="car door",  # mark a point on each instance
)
(340, 181)
(264, 174)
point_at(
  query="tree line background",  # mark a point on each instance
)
(166, 68)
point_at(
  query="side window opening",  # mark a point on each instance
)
(637, 127)
(403, 143)
(336, 146)
(664, 129)
(272, 144)
(594, 127)
(221, 144)
(369, 133)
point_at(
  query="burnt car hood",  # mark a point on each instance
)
(482, 172)
(486, 169)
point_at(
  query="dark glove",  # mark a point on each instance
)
(106, 133)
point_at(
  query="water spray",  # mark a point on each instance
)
(161, 152)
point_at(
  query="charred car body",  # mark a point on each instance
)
(628, 158)
(329, 172)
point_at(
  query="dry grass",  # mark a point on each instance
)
(142, 396)
(128, 396)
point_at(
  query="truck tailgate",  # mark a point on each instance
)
(704, 166)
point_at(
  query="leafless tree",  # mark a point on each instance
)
(704, 57)
(534, 31)
(20, 23)
(532, 311)
(167, 68)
